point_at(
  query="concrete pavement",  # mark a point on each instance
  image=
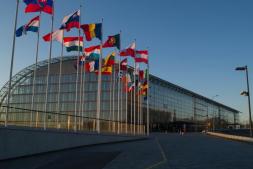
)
(162, 151)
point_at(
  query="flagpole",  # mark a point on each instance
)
(11, 68)
(59, 83)
(134, 95)
(77, 72)
(118, 95)
(134, 89)
(138, 100)
(126, 91)
(99, 84)
(148, 96)
(119, 89)
(110, 109)
(35, 71)
(48, 69)
(131, 115)
(113, 99)
(80, 93)
(141, 115)
(83, 92)
(121, 103)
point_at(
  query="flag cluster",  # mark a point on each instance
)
(90, 55)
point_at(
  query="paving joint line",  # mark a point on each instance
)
(164, 160)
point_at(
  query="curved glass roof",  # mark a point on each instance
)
(28, 71)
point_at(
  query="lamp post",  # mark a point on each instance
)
(214, 116)
(246, 93)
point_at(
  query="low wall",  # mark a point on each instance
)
(232, 137)
(18, 141)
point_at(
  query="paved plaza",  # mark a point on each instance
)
(161, 151)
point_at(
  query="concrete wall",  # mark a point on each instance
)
(17, 142)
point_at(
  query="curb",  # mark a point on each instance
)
(232, 137)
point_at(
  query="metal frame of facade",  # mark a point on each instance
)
(21, 76)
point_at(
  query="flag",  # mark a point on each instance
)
(112, 41)
(141, 56)
(72, 43)
(146, 74)
(56, 35)
(131, 87)
(123, 65)
(141, 75)
(107, 70)
(120, 74)
(71, 21)
(39, 6)
(92, 53)
(126, 81)
(144, 88)
(33, 26)
(81, 60)
(110, 59)
(92, 66)
(92, 31)
(129, 51)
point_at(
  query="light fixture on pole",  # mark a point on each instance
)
(246, 93)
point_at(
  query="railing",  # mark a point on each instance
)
(67, 122)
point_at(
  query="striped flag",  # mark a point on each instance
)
(92, 53)
(123, 65)
(33, 26)
(39, 6)
(71, 21)
(56, 35)
(72, 43)
(129, 51)
(141, 56)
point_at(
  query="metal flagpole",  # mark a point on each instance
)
(110, 109)
(134, 95)
(35, 71)
(113, 99)
(126, 91)
(11, 68)
(138, 101)
(121, 103)
(59, 84)
(99, 84)
(140, 114)
(77, 72)
(119, 74)
(80, 95)
(118, 79)
(48, 69)
(83, 99)
(148, 96)
(131, 115)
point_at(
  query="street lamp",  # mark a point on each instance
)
(246, 93)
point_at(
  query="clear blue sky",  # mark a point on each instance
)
(195, 44)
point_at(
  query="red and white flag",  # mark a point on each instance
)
(123, 65)
(56, 35)
(141, 56)
(129, 51)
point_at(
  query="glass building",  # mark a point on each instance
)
(72, 102)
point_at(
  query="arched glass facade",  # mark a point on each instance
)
(170, 106)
